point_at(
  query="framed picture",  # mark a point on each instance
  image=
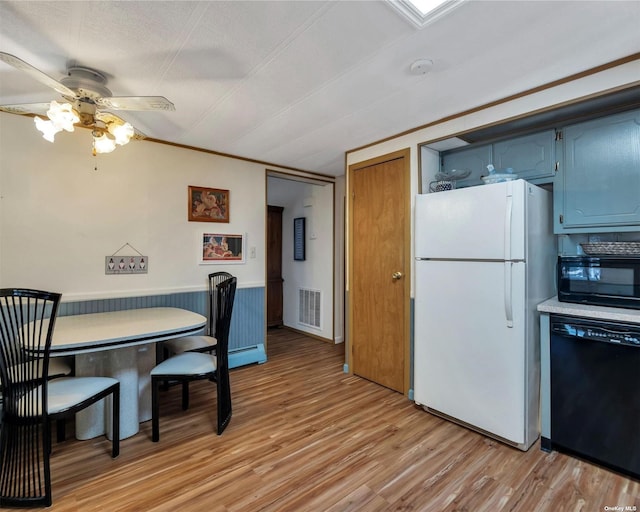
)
(298, 239)
(208, 204)
(222, 248)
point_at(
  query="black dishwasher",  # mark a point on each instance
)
(595, 391)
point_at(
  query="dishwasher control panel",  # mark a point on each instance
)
(598, 331)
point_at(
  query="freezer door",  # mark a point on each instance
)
(486, 222)
(468, 362)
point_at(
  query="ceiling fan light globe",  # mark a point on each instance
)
(121, 132)
(103, 144)
(47, 128)
(63, 115)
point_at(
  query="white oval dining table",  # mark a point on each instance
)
(120, 344)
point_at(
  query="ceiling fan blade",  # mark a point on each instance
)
(26, 108)
(41, 77)
(135, 103)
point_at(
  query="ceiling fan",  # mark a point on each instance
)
(86, 95)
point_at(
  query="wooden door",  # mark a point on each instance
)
(274, 266)
(379, 263)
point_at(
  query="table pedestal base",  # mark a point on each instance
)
(131, 366)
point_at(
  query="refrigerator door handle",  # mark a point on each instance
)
(508, 297)
(508, 211)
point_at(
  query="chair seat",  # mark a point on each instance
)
(66, 392)
(187, 363)
(188, 343)
(70, 391)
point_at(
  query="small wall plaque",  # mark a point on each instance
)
(119, 264)
(126, 264)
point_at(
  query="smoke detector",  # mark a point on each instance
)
(421, 67)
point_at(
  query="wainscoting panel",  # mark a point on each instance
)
(246, 336)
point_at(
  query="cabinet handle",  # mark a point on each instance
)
(561, 218)
(396, 275)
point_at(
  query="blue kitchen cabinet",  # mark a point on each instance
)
(532, 157)
(474, 159)
(597, 188)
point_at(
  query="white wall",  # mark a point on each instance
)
(317, 270)
(59, 217)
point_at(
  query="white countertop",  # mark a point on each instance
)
(554, 306)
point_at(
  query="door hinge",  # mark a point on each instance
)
(561, 219)
(559, 135)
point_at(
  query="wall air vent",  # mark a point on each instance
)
(309, 307)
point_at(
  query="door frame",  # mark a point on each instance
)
(314, 179)
(405, 154)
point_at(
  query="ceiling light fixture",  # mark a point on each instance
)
(87, 95)
(108, 131)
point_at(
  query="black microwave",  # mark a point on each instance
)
(600, 280)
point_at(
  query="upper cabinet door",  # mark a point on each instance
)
(532, 157)
(599, 185)
(474, 159)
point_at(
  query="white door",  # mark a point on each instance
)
(484, 222)
(468, 363)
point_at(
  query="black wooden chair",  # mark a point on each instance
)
(190, 366)
(206, 342)
(31, 402)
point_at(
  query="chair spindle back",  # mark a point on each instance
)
(27, 319)
(225, 295)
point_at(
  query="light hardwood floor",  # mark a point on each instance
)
(306, 437)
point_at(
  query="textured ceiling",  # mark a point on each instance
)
(298, 83)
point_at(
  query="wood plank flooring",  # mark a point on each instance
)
(306, 437)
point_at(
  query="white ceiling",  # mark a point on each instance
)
(298, 83)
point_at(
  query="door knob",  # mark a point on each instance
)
(396, 275)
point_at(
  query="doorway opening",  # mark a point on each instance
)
(300, 259)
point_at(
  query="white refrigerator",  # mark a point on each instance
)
(485, 257)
